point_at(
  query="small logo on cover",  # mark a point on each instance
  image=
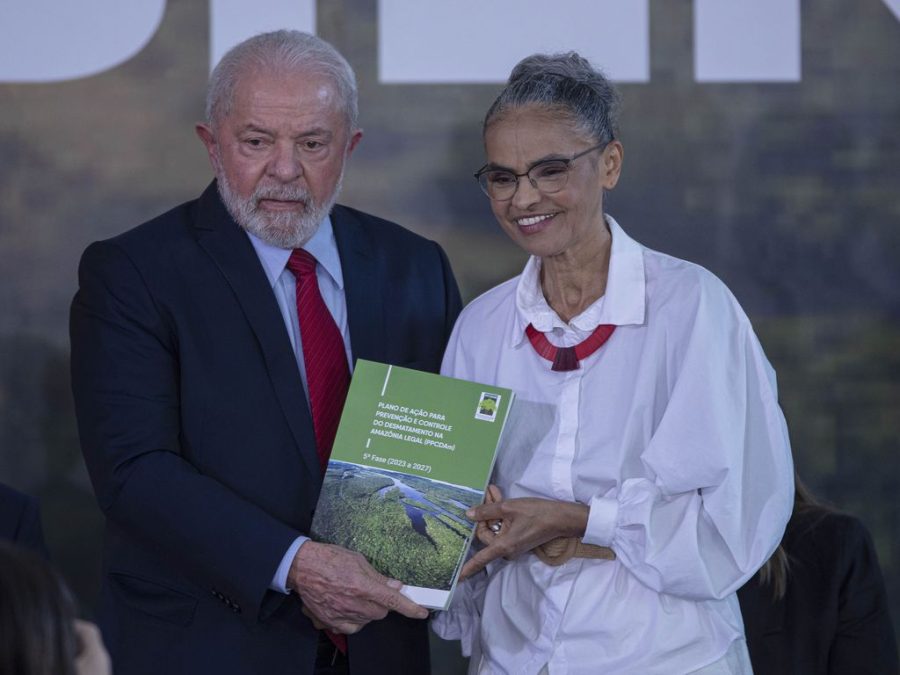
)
(487, 407)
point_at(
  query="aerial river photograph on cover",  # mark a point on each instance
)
(409, 527)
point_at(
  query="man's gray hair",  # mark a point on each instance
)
(280, 51)
(565, 82)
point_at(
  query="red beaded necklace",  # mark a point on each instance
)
(568, 358)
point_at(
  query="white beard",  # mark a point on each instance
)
(284, 229)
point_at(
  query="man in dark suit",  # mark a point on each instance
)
(202, 353)
(20, 519)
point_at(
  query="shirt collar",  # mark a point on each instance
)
(322, 245)
(624, 302)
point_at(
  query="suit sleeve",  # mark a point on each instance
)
(125, 378)
(452, 300)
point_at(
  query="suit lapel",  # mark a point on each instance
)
(363, 285)
(233, 253)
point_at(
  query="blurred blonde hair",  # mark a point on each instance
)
(777, 568)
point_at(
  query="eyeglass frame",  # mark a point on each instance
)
(565, 160)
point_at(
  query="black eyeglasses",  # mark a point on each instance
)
(548, 176)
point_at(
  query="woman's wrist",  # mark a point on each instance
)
(573, 519)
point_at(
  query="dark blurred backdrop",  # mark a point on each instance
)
(790, 192)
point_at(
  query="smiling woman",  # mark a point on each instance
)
(647, 472)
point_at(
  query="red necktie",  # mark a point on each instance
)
(324, 354)
(325, 358)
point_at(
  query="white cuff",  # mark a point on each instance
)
(601, 525)
(279, 581)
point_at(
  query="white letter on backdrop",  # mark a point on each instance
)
(232, 21)
(51, 41)
(747, 40)
(471, 41)
(894, 6)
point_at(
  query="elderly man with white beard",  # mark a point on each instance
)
(211, 352)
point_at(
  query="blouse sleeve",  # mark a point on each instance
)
(718, 485)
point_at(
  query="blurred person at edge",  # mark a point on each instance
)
(20, 519)
(39, 631)
(647, 470)
(211, 352)
(819, 605)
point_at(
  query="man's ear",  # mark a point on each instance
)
(208, 136)
(354, 141)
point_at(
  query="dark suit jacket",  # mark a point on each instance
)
(198, 438)
(20, 519)
(834, 616)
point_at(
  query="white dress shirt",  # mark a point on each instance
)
(323, 247)
(671, 433)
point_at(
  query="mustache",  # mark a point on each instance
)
(293, 193)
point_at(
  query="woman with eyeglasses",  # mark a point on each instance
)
(645, 473)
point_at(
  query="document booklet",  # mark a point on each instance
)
(413, 451)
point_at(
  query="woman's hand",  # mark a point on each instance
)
(485, 530)
(523, 524)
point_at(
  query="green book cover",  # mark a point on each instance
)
(413, 451)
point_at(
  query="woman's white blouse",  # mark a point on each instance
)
(671, 433)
